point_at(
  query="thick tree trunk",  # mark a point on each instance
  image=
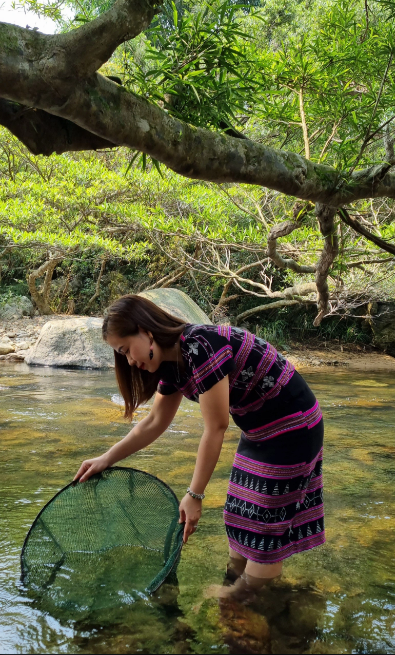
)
(326, 216)
(41, 298)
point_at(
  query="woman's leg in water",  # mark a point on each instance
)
(248, 577)
(257, 575)
(236, 565)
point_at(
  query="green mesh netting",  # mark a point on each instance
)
(104, 542)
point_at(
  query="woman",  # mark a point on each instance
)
(274, 506)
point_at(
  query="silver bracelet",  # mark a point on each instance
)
(198, 496)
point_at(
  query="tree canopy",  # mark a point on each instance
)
(282, 110)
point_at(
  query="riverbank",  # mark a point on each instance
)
(21, 334)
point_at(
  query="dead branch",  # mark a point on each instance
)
(97, 289)
(167, 279)
(297, 290)
(265, 308)
(174, 278)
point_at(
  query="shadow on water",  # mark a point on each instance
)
(336, 599)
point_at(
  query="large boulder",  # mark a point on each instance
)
(73, 342)
(177, 302)
(78, 341)
(15, 308)
(382, 322)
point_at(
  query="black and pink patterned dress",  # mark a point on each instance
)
(274, 507)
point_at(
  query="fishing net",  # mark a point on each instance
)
(102, 543)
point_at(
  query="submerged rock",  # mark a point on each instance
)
(74, 342)
(177, 302)
(15, 308)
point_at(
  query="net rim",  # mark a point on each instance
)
(74, 484)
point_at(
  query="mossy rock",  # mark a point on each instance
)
(177, 302)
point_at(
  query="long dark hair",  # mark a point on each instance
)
(125, 316)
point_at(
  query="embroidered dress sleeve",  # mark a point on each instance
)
(210, 356)
(166, 388)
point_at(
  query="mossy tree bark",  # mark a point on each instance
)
(57, 75)
(54, 100)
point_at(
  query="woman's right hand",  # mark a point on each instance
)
(91, 466)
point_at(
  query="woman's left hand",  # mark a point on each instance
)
(190, 513)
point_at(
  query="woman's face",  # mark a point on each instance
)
(136, 349)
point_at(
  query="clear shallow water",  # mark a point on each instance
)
(339, 598)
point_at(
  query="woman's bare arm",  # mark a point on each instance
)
(214, 405)
(141, 435)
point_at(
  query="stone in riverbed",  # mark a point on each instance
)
(75, 342)
(16, 308)
(177, 302)
(6, 346)
(78, 341)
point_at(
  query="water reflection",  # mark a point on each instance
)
(339, 598)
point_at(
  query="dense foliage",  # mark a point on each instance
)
(309, 76)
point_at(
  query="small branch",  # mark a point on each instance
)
(283, 229)
(265, 308)
(228, 299)
(389, 145)
(174, 278)
(244, 209)
(97, 290)
(356, 225)
(329, 139)
(366, 262)
(363, 37)
(304, 125)
(368, 136)
(289, 293)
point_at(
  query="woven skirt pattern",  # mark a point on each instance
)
(273, 511)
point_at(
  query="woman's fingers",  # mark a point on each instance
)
(91, 470)
(91, 466)
(190, 527)
(84, 466)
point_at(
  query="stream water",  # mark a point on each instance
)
(339, 598)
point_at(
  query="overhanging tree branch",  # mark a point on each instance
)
(45, 72)
(356, 225)
(42, 133)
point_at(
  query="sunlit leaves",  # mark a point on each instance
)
(198, 70)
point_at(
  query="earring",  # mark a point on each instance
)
(151, 354)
